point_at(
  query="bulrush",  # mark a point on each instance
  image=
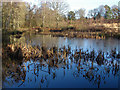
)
(51, 62)
(54, 49)
(64, 54)
(59, 53)
(18, 53)
(80, 53)
(9, 50)
(51, 49)
(87, 54)
(99, 58)
(76, 56)
(56, 61)
(64, 47)
(12, 47)
(92, 54)
(103, 56)
(55, 56)
(38, 47)
(113, 52)
(69, 49)
(49, 53)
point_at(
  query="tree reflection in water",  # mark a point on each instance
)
(93, 66)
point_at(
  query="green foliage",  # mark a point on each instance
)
(71, 15)
(105, 11)
(108, 13)
(115, 12)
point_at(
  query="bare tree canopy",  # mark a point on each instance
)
(81, 13)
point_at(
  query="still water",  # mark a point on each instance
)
(72, 74)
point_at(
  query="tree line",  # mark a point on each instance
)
(104, 11)
(16, 15)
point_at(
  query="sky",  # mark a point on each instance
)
(86, 4)
(90, 4)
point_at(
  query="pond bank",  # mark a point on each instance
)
(98, 32)
(92, 31)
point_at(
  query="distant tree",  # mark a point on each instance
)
(59, 5)
(90, 13)
(45, 14)
(81, 13)
(101, 10)
(51, 12)
(98, 15)
(108, 12)
(60, 8)
(64, 17)
(71, 15)
(30, 15)
(114, 11)
(93, 13)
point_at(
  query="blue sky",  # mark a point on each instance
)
(87, 4)
(90, 4)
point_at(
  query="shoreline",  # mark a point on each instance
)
(97, 32)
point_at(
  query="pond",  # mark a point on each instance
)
(72, 72)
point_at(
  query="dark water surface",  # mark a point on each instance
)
(72, 74)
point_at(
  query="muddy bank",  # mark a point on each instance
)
(71, 34)
(99, 32)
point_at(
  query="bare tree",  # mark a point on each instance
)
(101, 10)
(13, 15)
(81, 13)
(90, 13)
(60, 7)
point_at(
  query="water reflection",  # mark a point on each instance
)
(50, 41)
(64, 63)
